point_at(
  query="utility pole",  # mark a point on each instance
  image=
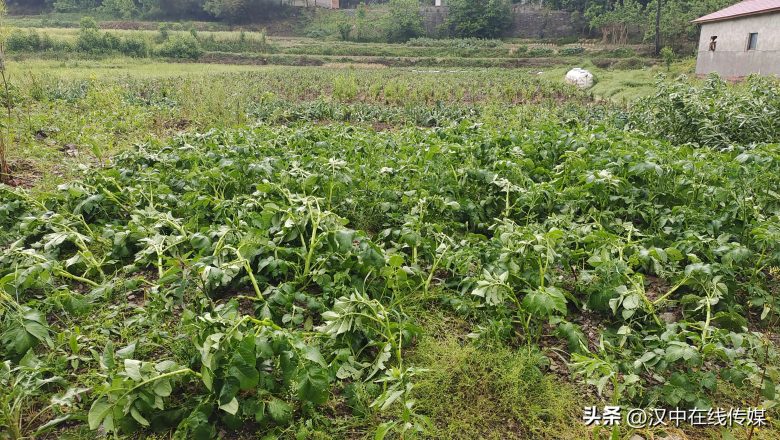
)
(658, 28)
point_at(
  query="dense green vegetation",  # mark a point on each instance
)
(90, 41)
(399, 20)
(375, 240)
(331, 253)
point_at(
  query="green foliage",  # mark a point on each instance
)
(460, 43)
(29, 41)
(241, 10)
(486, 386)
(668, 55)
(344, 30)
(125, 9)
(477, 19)
(713, 115)
(135, 46)
(180, 46)
(615, 18)
(540, 52)
(677, 28)
(264, 274)
(73, 5)
(404, 21)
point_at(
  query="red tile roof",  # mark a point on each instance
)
(741, 9)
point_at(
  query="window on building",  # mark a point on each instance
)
(713, 42)
(752, 41)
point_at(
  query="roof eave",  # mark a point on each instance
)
(732, 17)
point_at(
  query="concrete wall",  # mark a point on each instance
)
(731, 57)
(527, 22)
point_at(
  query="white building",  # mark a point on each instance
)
(740, 40)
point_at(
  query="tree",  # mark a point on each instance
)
(404, 21)
(242, 10)
(125, 9)
(675, 25)
(478, 18)
(614, 21)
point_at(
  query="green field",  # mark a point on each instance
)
(433, 248)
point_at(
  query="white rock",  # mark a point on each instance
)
(580, 78)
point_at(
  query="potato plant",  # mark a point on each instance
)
(251, 278)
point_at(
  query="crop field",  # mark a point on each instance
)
(197, 251)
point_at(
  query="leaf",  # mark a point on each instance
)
(199, 241)
(395, 261)
(313, 354)
(545, 301)
(52, 423)
(382, 430)
(279, 410)
(97, 412)
(247, 375)
(126, 352)
(133, 369)
(769, 389)
(107, 358)
(138, 417)
(163, 388)
(230, 407)
(68, 397)
(313, 385)
(631, 302)
(344, 239)
(391, 398)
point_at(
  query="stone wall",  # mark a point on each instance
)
(527, 22)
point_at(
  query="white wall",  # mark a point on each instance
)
(731, 58)
(325, 4)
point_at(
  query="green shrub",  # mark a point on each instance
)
(667, 53)
(540, 52)
(164, 30)
(135, 46)
(481, 19)
(125, 9)
(111, 42)
(621, 52)
(404, 21)
(317, 33)
(91, 40)
(569, 51)
(344, 30)
(28, 41)
(183, 47)
(629, 63)
(456, 43)
(603, 63)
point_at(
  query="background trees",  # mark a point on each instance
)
(404, 21)
(618, 21)
(479, 19)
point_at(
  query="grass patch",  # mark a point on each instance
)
(492, 392)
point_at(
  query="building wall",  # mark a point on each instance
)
(731, 57)
(330, 4)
